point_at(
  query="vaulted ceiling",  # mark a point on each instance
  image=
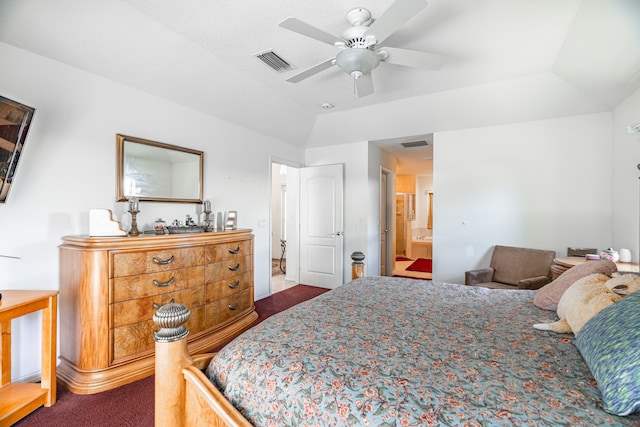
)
(201, 53)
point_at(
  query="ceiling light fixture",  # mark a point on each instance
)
(327, 106)
(357, 61)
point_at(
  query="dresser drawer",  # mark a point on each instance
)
(228, 268)
(136, 339)
(129, 263)
(132, 311)
(227, 251)
(216, 290)
(144, 285)
(227, 308)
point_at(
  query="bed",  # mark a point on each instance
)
(388, 351)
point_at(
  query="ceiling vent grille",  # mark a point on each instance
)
(274, 61)
(415, 144)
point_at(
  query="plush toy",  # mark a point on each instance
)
(587, 297)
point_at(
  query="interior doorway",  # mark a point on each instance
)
(306, 237)
(412, 158)
(284, 226)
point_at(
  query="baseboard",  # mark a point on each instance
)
(33, 377)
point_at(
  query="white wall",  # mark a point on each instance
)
(544, 184)
(68, 167)
(626, 182)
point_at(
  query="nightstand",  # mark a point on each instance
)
(560, 265)
(19, 399)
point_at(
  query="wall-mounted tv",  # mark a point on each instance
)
(15, 119)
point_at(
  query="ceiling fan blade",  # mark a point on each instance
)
(393, 18)
(300, 27)
(414, 58)
(311, 71)
(364, 85)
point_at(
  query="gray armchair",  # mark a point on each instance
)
(514, 268)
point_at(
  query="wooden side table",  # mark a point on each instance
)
(560, 265)
(20, 399)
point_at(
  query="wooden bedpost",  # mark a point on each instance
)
(357, 266)
(171, 357)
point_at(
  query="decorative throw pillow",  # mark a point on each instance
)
(610, 344)
(549, 295)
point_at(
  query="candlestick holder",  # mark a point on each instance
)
(134, 224)
(207, 223)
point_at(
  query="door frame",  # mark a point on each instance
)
(388, 205)
(293, 254)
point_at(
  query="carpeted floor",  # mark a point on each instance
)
(132, 405)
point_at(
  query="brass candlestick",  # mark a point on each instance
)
(134, 224)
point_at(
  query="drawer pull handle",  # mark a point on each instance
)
(234, 251)
(236, 268)
(163, 261)
(234, 307)
(234, 285)
(165, 284)
(156, 305)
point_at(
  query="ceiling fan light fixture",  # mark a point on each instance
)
(361, 49)
(357, 60)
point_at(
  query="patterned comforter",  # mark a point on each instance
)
(394, 351)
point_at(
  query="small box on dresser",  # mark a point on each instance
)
(111, 286)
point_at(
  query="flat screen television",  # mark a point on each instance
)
(15, 119)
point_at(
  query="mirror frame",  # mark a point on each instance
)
(121, 197)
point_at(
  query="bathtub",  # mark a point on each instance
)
(421, 247)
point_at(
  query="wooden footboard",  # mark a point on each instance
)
(184, 396)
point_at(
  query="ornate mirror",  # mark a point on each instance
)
(157, 172)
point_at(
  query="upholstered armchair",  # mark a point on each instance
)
(514, 268)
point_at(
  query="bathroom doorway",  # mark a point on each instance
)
(284, 226)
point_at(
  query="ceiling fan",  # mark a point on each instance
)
(360, 47)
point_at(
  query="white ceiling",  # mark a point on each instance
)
(199, 53)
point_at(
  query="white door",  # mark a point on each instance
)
(321, 210)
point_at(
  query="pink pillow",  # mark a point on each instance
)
(548, 296)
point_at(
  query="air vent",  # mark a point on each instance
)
(415, 144)
(274, 61)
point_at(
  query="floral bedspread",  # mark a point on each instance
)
(394, 351)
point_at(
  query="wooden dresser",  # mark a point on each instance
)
(111, 286)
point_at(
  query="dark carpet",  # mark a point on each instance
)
(421, 264)
(132, 404)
